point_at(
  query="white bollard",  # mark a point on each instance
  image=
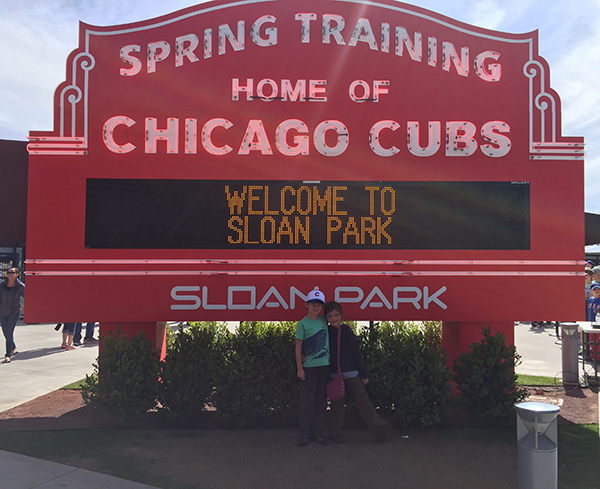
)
(537, 445)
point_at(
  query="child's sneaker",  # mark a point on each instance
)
(322, 440)
(69, 347)
(302, 440)
(63, 346)
(339, 438)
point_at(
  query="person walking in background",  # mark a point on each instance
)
(11, 291)
(67, 336)
(89, 334)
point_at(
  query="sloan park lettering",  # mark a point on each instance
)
(248, 297)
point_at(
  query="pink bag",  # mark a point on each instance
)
(335, 387)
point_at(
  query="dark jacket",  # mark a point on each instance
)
(10, 298)
(351, 357)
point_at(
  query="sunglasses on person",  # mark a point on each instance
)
(11, 272)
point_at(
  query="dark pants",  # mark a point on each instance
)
(8, 329)
(313, 400)
(356, 389)
(89, 332)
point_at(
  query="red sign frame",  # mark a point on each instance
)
(309, 91)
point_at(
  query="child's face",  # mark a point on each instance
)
(314, 308)
(596, 293)
(334, 318)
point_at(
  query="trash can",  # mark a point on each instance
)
(570, 352)
(537, 445)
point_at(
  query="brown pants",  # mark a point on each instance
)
(356, 389)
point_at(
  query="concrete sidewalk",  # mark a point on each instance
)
(539, 350)
(22, 472)
(41, 366)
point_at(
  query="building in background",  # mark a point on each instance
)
(13, 203)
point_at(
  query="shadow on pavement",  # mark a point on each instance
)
(37, 353)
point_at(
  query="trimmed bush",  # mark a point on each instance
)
(408, 376)
(256, 385)
(188, 372)
(125, 379)
(486, 378)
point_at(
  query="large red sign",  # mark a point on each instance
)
(221, 161)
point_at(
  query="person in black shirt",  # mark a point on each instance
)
(11, 291)
(355, 375)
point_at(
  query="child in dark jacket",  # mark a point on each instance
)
(355, 375)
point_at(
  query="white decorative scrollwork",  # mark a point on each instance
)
(73, 101)
(542, 107)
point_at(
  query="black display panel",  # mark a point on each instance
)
(222, 214)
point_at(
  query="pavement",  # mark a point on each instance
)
(41, 366)
(540, 350)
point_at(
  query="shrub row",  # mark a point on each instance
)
(248, 377)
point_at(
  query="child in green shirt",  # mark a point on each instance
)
(312, 363)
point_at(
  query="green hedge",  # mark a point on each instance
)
(249, 376)
(486, 378)
(256, 383)
(408, 377)
(189, 371)
(125, 379)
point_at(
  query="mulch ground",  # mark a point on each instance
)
(64, 410)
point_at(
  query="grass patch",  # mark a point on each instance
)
(121, 453)
(535, 380)
(182, 459)
(73, 386)
(578, 455)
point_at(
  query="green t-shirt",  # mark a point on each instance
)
(315, 341)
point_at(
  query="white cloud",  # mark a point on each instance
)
(487, 13)
(37, 37)
(36, 43)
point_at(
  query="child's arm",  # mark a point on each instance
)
(299, 359)
(357, 355)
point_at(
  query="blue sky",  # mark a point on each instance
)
(37, 36)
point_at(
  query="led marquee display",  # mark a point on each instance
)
(220, 214)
